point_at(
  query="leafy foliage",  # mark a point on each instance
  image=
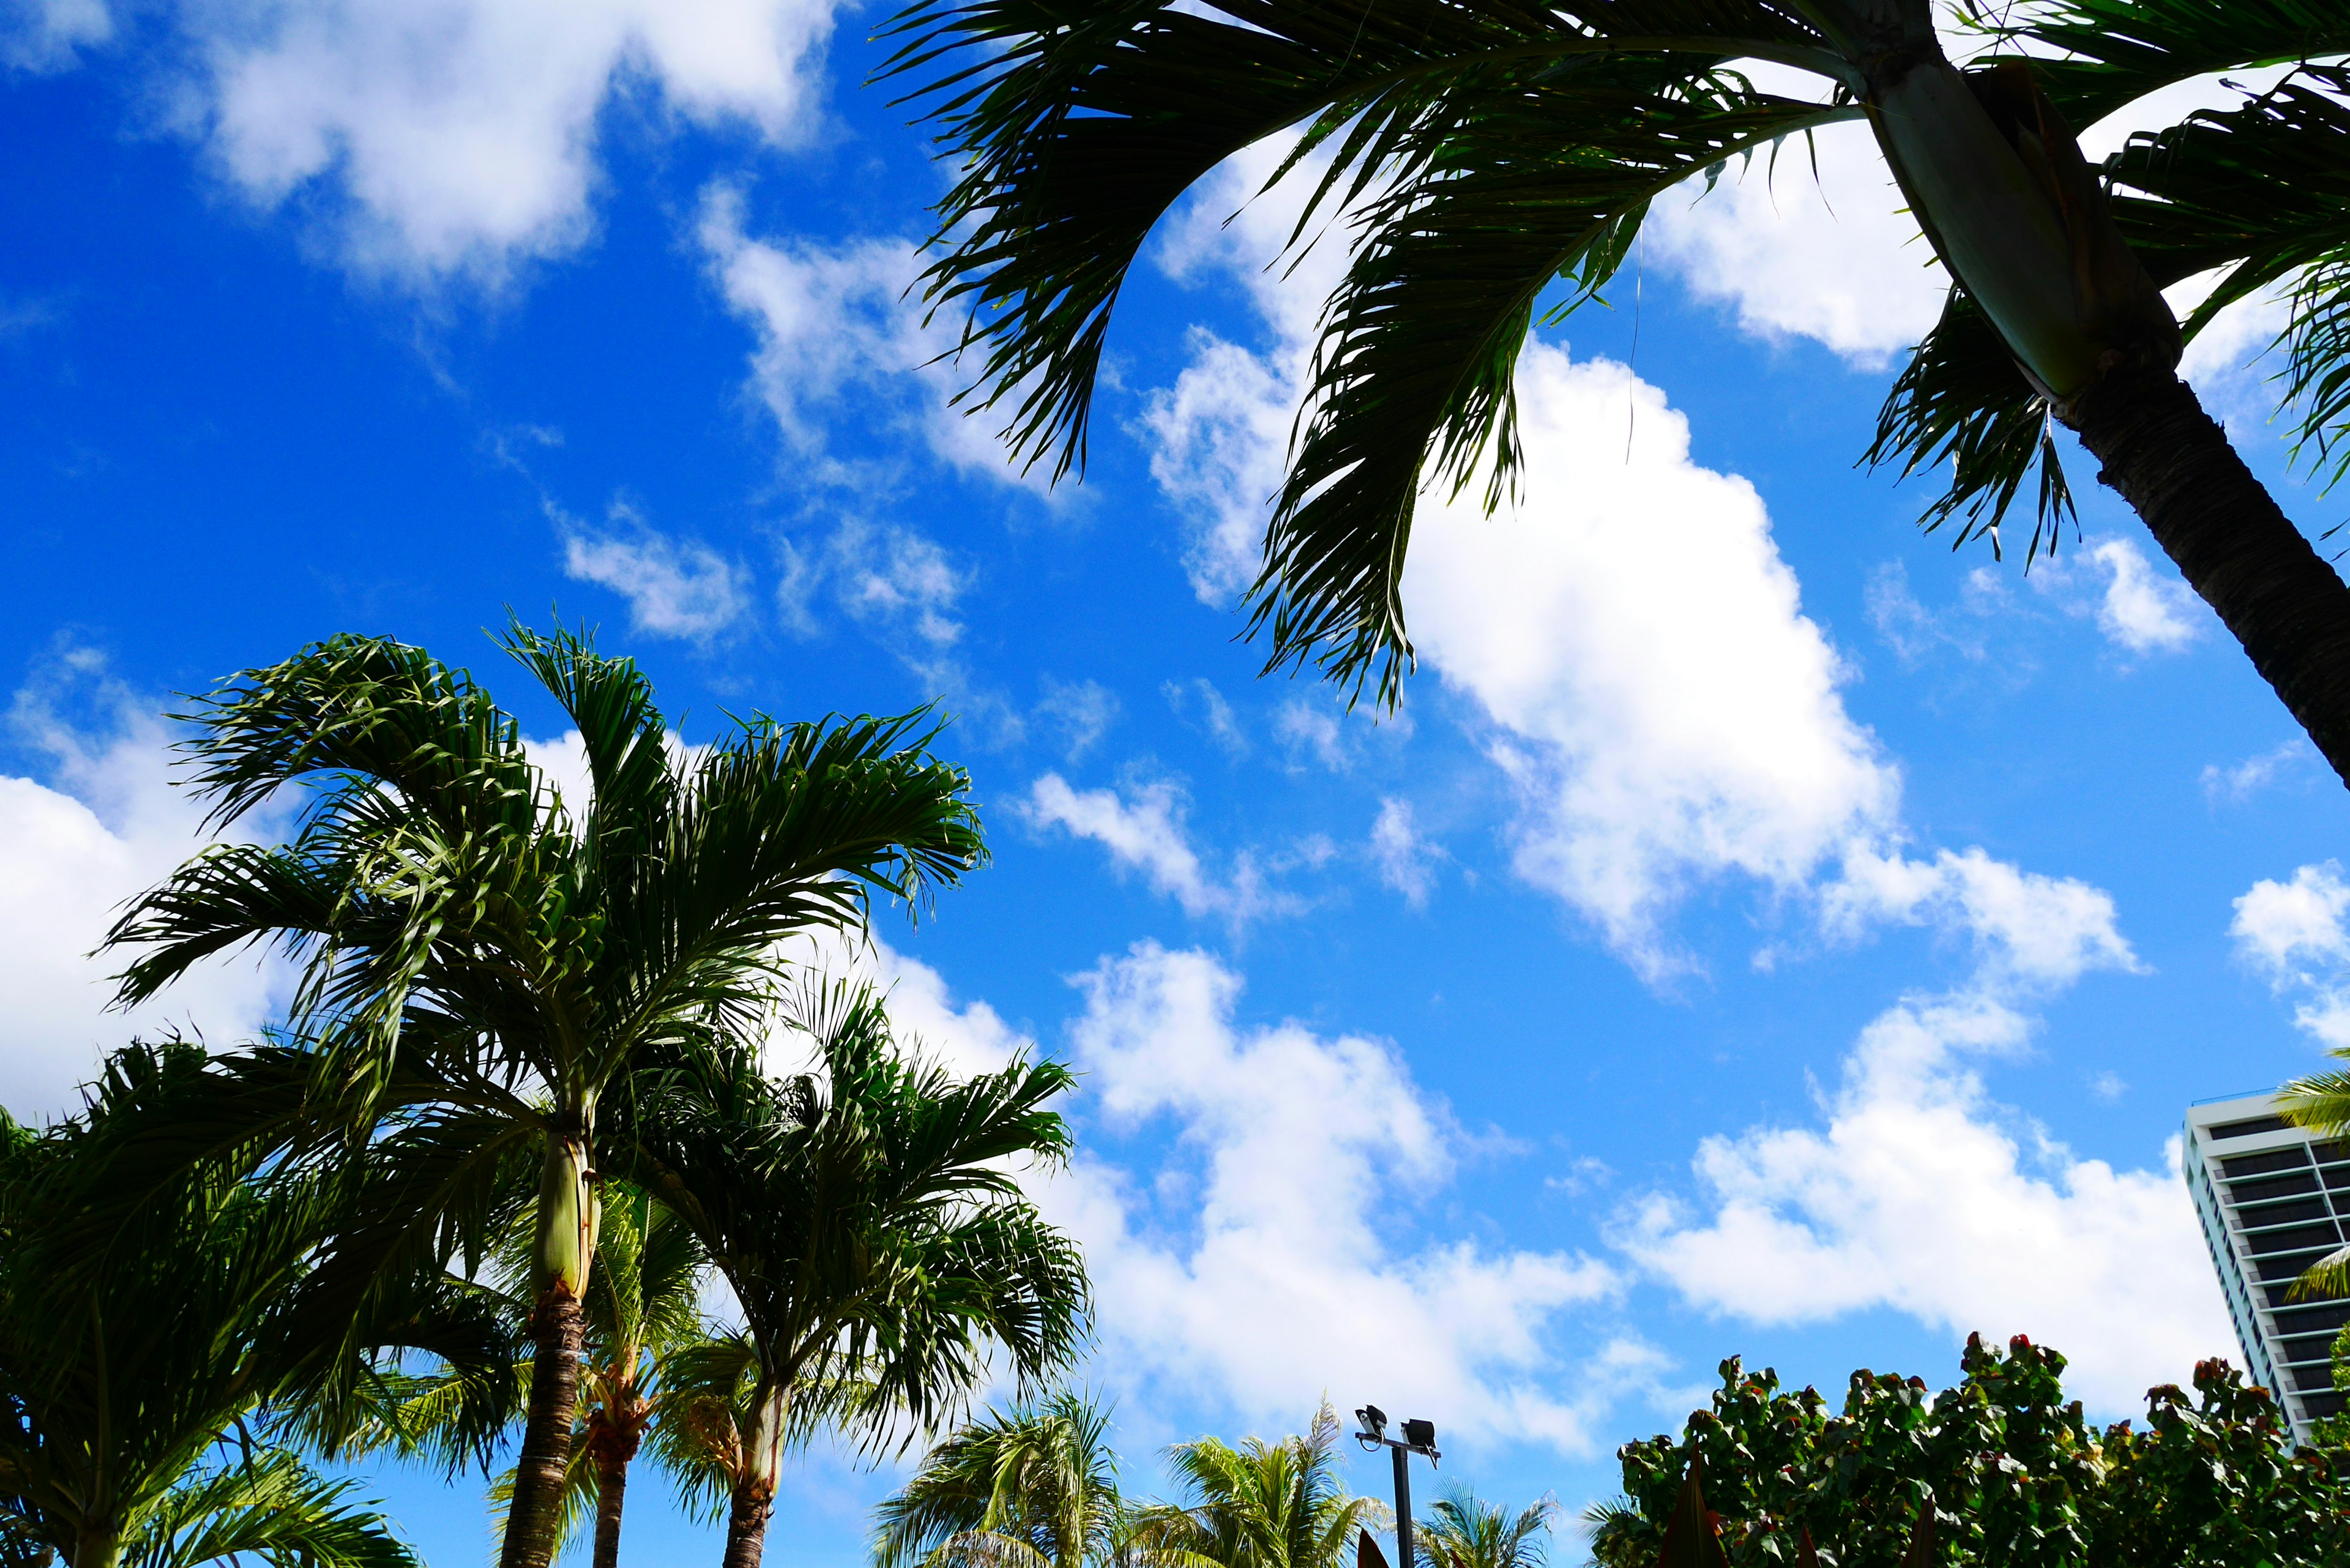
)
(1259, 1505)
(1032, 1486)
(866, 1213)
(1479, 154)
(2259, 193)
(2001, 1469)
(140, 1346)
(1465, 1531)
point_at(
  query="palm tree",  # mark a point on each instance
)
(865, 1213)
(1483, 151)
(1465, 1531)
(1033, 1487)
(484, 961)
(1261, 1505)
(139, 1355)
(644, 1307)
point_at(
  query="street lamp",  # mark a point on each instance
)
(1419, 1437)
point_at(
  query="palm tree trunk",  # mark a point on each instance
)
(746, 1524)
(567, 1244)
(96, 1548)
(2291, 611)
(612, 1491)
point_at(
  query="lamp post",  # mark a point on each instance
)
(1419, 1437)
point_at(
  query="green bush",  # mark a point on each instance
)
(2007, 1467)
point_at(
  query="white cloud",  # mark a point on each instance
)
(674, 588)
(105, 826)
(833, 320)
(1219, 437)
(1666, 709)
(895, 578)
(1406, 861)
(1922, 1195)
(1832, 257)
(1083, 712)
(1148, 835)
(2240, 781)
(1254, 1264)
(2294, 932)
(2027, 929)
(2144, 611)
(49, 34)
(458, 136)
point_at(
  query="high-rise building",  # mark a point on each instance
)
(2274, 1199)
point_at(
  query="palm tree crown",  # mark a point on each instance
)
(1466, 1532)
(1033, 1487)
(867, 1214)
(1492, 161)
(485, 961)
(1261, 1505)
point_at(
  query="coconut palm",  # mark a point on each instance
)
(139, 1357)
(483, 961)
(865, 1213)
(1466, 1532)
(1259, 1505)
(1032, 1486)
(1493, 160)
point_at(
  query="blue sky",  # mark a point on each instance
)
(1762, 931)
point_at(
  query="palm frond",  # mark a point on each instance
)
(2093, 57)
(270, 1506)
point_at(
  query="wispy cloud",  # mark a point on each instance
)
(1144, 830)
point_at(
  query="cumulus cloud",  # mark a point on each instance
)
(1664, 708)
(1814, 243)
(102, 825)
(458, 136)
(1219, 436)
(674, 588)
(1147, 833)
(1919, 1193)
(2143, 610)
(2294, 932)
(834, 321)
(2027, 929)
(1255, 1263)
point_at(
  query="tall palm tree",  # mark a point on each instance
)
(1032, 1486)
(1488, 156)
(1466, 1532)
(867, 1214)
(644, 1308)
(484, 961)
(141, 1355)
(1259, 1505)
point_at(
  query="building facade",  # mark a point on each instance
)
(2273, 1200)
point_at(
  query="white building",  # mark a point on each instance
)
(2270, 1195)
